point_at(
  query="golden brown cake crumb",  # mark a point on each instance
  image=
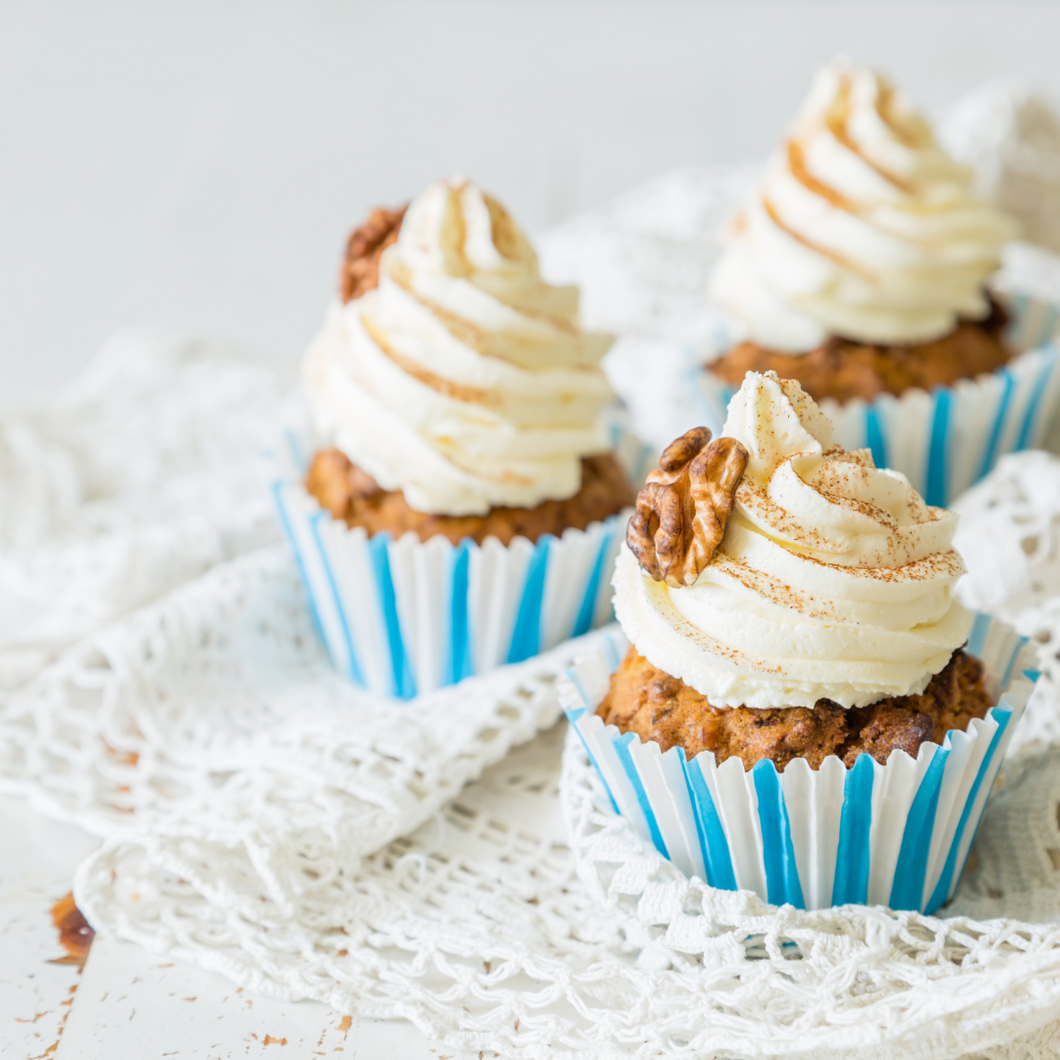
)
(656, 706)
(843, 369)
(360, 267)
(352, 495)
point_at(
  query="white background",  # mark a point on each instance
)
(194, 167)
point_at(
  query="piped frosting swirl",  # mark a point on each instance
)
(834, 580)
(463, 379)
(862, 227)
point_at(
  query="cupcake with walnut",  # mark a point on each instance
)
(818, 620)
(796, 640)
(462, 405)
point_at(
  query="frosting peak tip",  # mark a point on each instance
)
(830, 578)
(856, 225)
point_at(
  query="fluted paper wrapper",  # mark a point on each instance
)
(405, 617)
(945, 441)
(896, 835)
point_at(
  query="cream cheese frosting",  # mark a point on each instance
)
(862, 227)
(833, 580)
(463, 379)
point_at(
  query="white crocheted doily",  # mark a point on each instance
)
(260, 784)
(125, 486)
(264, 819)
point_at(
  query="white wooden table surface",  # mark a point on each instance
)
(128, 1004)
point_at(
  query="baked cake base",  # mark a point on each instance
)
(843, 369)
(352, 495)
(656, 706)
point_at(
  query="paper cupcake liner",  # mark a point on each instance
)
(896, 835)
(405, 617)
(945, 441)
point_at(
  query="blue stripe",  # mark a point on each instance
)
(855, 822)
(288, 530)
(911, 869)
(459, 662)
(1036, 399)
(782, 873)
(712, 842)
(572, 717)
(403, 683)
(1008, 385)
(621, 746)
(942, 890)
(977, 638)
(937, 472)
(1012, 661)
(583, 623)
(875, 437)
(526, 635)
(353, 670)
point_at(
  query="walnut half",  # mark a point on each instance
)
(360, 267)
(682, 510)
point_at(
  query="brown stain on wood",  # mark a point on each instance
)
(270, 1040)
(50, 1051)
(75, 932)
(345, 1024)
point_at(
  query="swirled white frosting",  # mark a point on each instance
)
(862, 227)
(463, 379)
(834, 580)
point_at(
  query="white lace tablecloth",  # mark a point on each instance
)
(160, 684)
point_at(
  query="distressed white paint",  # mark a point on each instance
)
(133, 1005)
(130, 1005)
(37, 861)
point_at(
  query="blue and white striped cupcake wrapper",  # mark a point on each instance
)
(896, 835)
(405, 617)
(946, 441)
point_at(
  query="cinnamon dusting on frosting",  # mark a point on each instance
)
(833, 579)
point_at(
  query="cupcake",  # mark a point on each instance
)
(805, 709)
(465, 500)
(860, 267)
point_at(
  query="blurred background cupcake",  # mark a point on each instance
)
(805, 710)
(860, 266)
(461, 511)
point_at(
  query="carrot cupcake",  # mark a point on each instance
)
(805, 707)
(860, 267)
(465, 499)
